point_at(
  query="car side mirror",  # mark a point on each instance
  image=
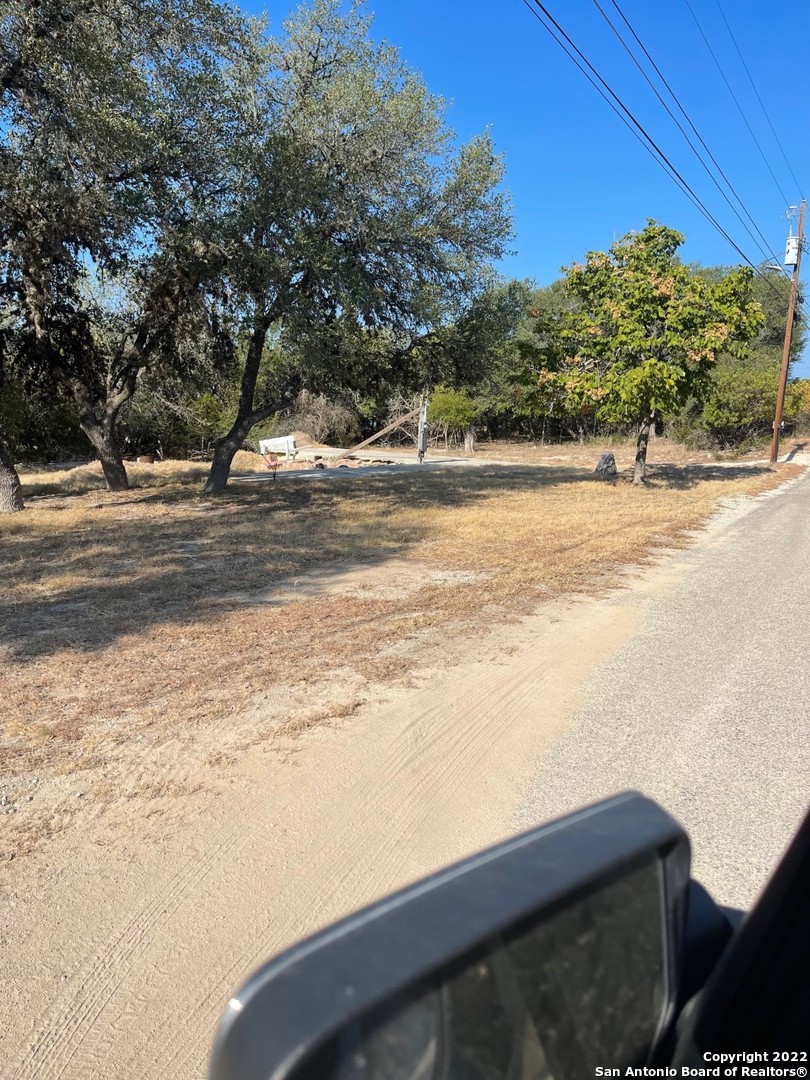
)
(550, 955)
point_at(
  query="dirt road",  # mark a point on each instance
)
(120, 957)
(118, 954)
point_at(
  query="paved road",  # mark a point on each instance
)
(355, 473)
(707, 707)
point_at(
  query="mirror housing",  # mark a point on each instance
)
(422, 937)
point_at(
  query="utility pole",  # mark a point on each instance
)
(421, 438)
(794, 285)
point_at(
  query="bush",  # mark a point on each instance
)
(739, 409)
(452, 410)
(151, 423)
(39, 428)
(797, 404)
(741, 404)
(322, 419)
(148, 425)
(452, 413)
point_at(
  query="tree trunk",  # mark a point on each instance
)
(102, 436)
(225, 447)
(11, 499)
(224, 453)
(97, 421)
(640, 468)
(469, 440)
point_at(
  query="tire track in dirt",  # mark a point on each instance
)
(428, 795)
(428, 779)
(102, 975)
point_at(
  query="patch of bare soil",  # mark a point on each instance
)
(125, 940)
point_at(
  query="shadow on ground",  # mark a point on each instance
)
(94, 568)
(683, 477)
(797, 449)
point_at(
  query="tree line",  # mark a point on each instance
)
(207, 227)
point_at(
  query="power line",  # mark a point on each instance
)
(638, 129)
(680, 127)
(643, 133)
(737, 103)
(767, 253)
(571, 55)
(770, 254)
(759, 99)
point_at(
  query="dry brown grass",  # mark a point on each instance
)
(78, 480)
(157, 617)
(661, 452)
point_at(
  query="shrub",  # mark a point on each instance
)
(322, 419)
(741, 404)
(452, 410)
(39, 427)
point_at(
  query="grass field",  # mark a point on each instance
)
(153, 626)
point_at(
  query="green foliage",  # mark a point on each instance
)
(209, 414)
(644, 332)
(772, 292)
(741, 403)
(503, 385)
(39, 427)
(147, 426)
(353, 224)
(110, 120)
(224, 219)
(797, 401)
(181, 188)
(454, 410)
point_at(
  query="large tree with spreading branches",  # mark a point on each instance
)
(109, 123)
(348, 202)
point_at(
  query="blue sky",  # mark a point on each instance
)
(576, 175)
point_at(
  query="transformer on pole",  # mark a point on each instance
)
(793, 257)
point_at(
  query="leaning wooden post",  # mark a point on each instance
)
(385, 431)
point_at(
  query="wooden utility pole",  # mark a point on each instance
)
(794, 285)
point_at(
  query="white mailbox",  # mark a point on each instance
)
(285, 445)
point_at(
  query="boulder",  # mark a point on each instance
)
(606, 467)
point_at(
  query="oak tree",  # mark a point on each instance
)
(347, 200)
(107, 109)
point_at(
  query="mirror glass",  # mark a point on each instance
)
(584, 987)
